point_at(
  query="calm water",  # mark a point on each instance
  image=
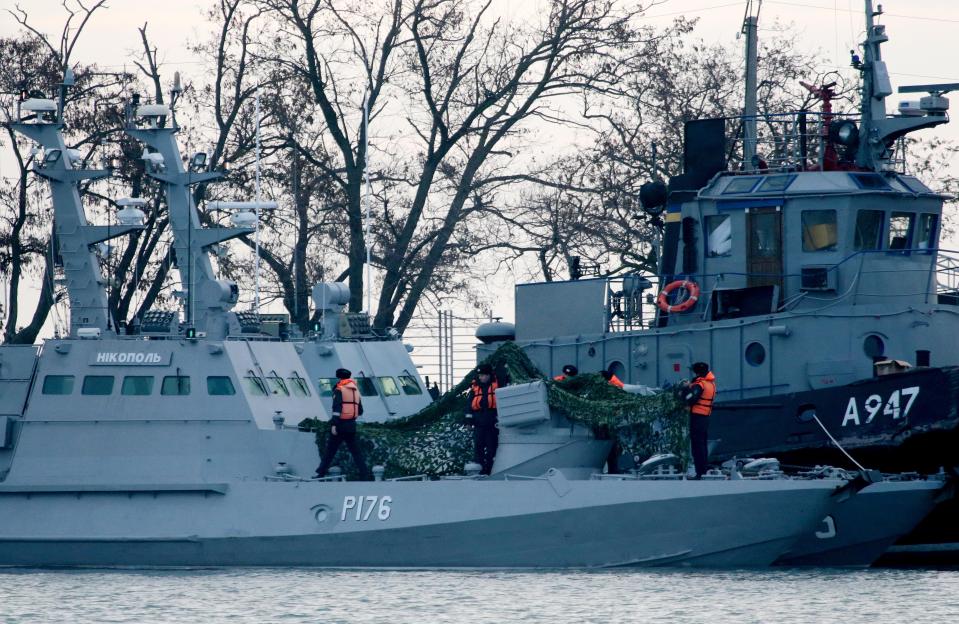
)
(265, 595)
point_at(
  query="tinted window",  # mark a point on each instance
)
(219, 386)
(175, 385)
(869, 229)
(870, 181)
(719, 235)
(97, 384)
(299, 386)
(58, 384)
(900, 227)
(254, 385)
(277, 385)
(741, 185)
(819, 230)
(137, 385)
(926, 232)
(366, 386)
(326, 385)
(389, 386)
(776, 183)
(410, 385)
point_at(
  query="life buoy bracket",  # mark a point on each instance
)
(691, 289)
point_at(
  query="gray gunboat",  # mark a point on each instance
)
(168, 447)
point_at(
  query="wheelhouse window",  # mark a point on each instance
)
(388, 384)
(298, 385)
(366, 386)
(219, 386)
(326, 385)
(175, 385)
(410, 385)
(719, 235)
(97, 385)
(137, 385)
(254, 385)
(926, 232)
(58, 384)
(276, 384)
(869, 229)
(819, 230)
(900, 229)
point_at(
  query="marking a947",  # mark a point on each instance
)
(364, 507)
(896, 406)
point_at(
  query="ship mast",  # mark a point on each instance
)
(750, 28)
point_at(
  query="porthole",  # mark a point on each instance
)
(755, 353)
(873, 346)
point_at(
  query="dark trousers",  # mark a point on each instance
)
(698, 430)
(485, 441)
(345, 433)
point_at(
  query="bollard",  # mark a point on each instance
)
(378, 472)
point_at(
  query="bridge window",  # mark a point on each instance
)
(326, 385)
(900, 229)
(299, 386)
(741, 185)
(366, 386)
(137, 385)
(58, 384)
(219, 386)
(719, 235)
(409, 385)
(98, 385)
(869, 229)
(776, 183)
(277, 385)
(819, 230)
(254, 385)
(388, 384)
(926, 232)
(870, 181)
(175, 385)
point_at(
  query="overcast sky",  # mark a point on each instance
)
(923, 47)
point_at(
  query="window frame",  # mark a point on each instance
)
(910, 232)
(85, 391)
(163, 386)
(70, 379)
(406, 381)
(299, 386)
(880, 239)
(835, 224)
(254, 385)
(229, 381)
(149, 392)
(364, 385)
(387, 392)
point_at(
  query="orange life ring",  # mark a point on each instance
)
(691, 287)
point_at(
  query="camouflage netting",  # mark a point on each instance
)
(437, 440)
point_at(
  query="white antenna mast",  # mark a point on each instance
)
(256, 260)
(366, 201)
(750, 27)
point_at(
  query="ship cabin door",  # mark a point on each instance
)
(764, 241)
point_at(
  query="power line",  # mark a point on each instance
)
(837, 9)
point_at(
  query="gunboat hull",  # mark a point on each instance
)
(858, 531)
(447, 524)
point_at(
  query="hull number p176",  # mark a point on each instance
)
(362, 508)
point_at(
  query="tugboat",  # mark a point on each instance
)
(810, 277)
(167, 446)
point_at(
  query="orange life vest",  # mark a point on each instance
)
(351, 399)
(614, 380)
(559, 378)
(477, 403)
(704, 406)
